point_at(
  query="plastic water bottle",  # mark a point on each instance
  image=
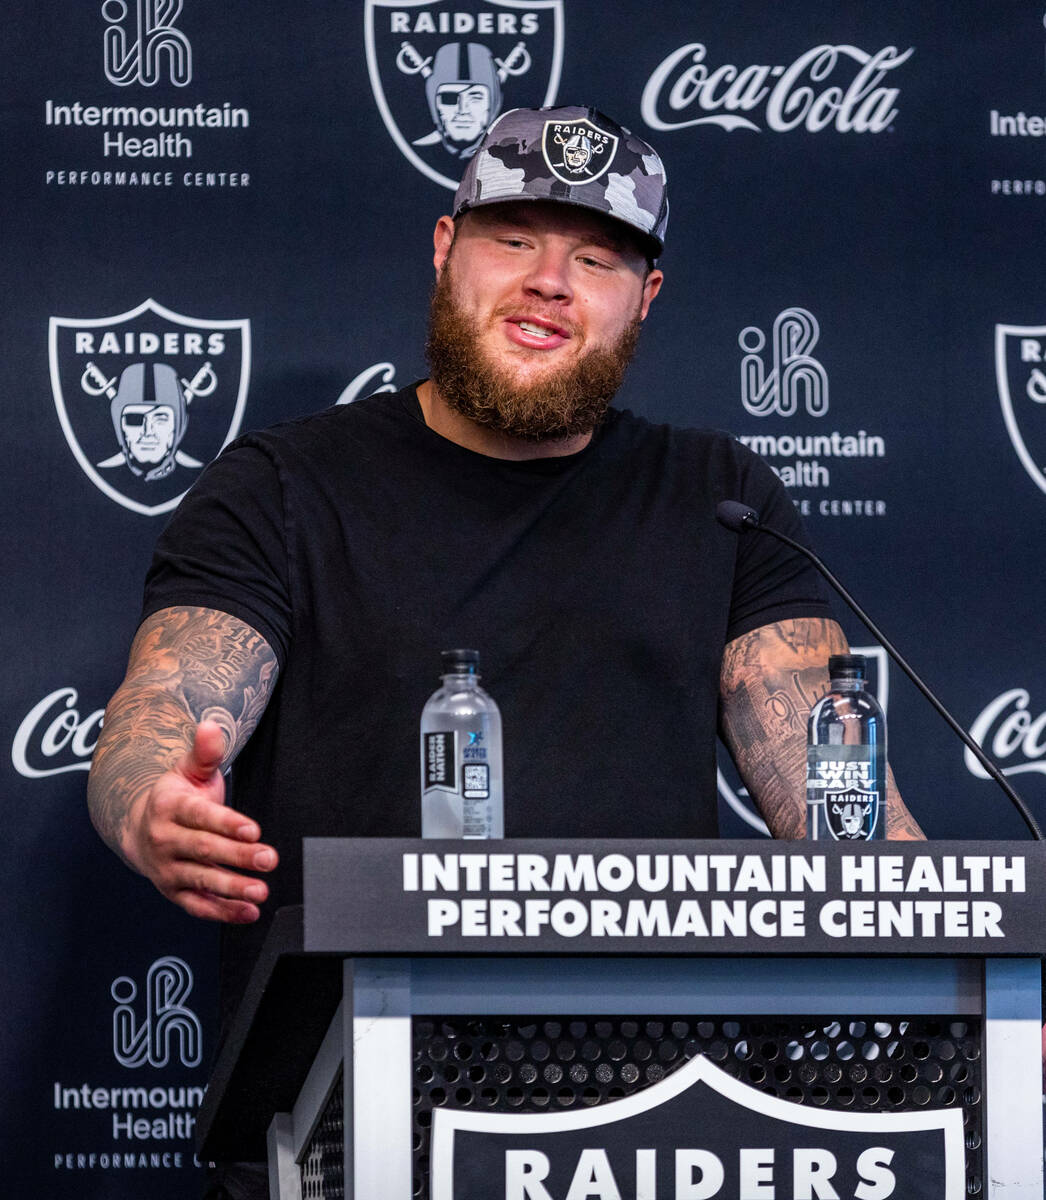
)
(846, 758)
(461, 779)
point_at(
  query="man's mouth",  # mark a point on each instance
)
(535, 332)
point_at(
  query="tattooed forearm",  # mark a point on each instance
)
(220, 668)
(146, 731)
(186, 665)
(770, 680)
(901, 826)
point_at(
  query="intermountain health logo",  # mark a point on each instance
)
(1022, 123)
(138, 1121)
(1020, 372)
(140, 140)
(786, 387)
(442, 71)
(793, 374)
(699, 1134)
(160, 1027)
(148, 397)
(145, 47)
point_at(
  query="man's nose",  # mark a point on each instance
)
(549, 275)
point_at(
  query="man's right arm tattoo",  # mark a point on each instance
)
(186, 665)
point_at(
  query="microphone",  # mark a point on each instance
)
(736, 516)
(740, 518)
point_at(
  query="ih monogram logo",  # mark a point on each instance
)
(137, 47)
(793, 373)
(150, 1039)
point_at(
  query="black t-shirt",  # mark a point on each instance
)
(598, 588)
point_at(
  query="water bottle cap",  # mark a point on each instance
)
(460, 662)
(844, 666)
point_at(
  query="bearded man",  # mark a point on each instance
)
(302, 592)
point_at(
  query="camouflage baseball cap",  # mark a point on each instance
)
(573, 155)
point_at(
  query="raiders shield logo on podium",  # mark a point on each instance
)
(697, 1133)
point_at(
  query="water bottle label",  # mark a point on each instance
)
(475, 781)
(441, 752)
(841, 781)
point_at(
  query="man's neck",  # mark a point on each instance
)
(456, 427)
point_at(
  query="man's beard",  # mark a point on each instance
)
(562, 403)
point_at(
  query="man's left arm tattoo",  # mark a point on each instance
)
(770, 680)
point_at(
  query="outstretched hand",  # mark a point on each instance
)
(181, 835)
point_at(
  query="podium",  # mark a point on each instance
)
(466, 1019)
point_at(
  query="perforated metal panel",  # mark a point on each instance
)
(323, 1167)
(854, 1063)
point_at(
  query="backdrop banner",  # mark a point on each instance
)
(218, 216)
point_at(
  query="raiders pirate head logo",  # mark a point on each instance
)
(851, 814)
(1020, 371)
(146, 398)
(577, 151)
(150, 413)
(441, 71)
(464, 93)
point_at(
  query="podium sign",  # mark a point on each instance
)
(558, 1020)
(672, 897)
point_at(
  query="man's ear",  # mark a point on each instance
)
(651, 286)
(442, 237)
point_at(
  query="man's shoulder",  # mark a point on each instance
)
(331, 431)
(630, 428)
(691, 461)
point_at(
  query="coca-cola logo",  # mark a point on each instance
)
(54, 738)
(377, 378)
(819, 90)
(1007, 730)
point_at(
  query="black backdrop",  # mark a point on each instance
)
(869, 179)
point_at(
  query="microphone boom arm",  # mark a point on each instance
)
(749, 520)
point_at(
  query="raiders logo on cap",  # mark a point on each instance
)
(577, 151)
(553, 154)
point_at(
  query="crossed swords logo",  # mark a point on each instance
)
(518, 62)
(203, 383)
